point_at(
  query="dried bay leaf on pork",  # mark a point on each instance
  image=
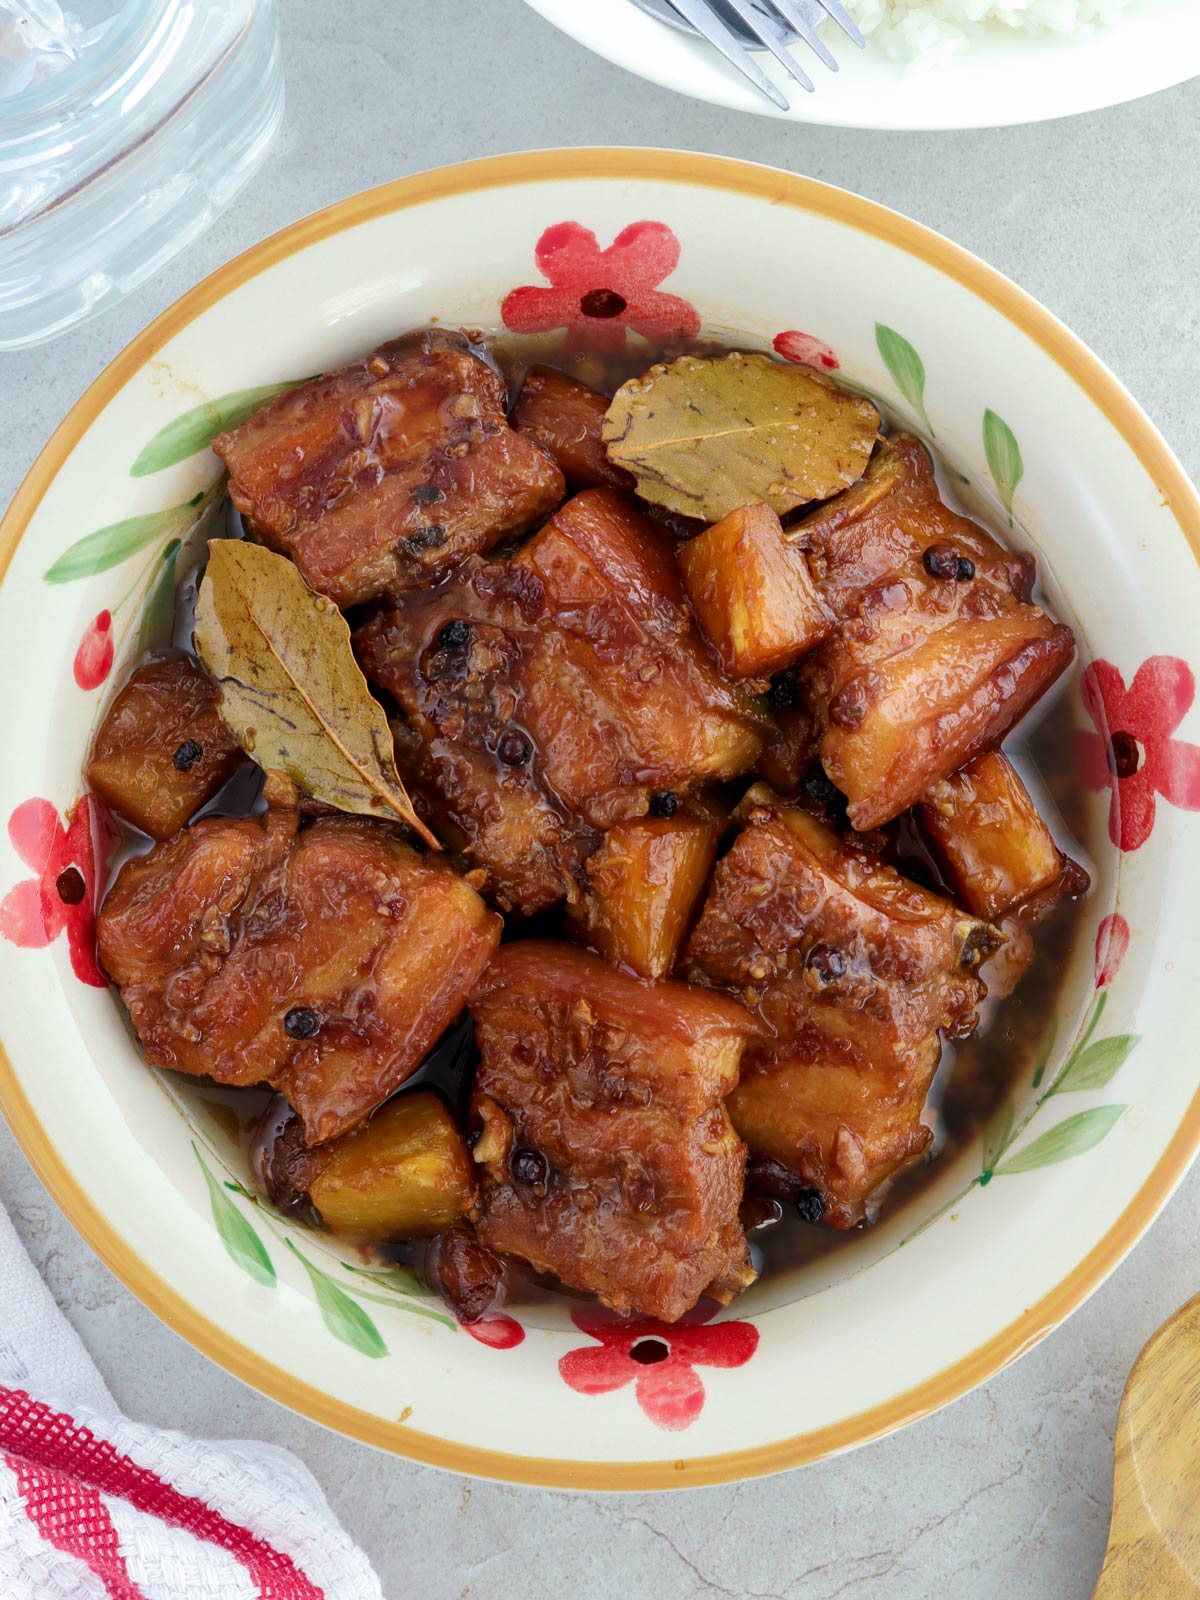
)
(707, 434)
(289, 686)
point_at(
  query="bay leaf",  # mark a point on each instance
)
(704, 435)
(289, 687)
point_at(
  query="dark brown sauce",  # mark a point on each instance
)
(975, 1075)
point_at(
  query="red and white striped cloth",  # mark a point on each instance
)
(94, 1506)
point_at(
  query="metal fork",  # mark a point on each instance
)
(734, 25)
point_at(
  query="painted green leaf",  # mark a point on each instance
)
(1066, 1139)
(996, 1135)
(907, 370)
(1092, 1068)
(344, 1319)
(237, 1233)
(109, 546)
(1003, 457)
(1048, 1039)
(158, 608)
(404, 1279)
(395, 1303)
(196, 429)
(401, 1281)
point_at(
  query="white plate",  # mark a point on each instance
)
(999, 79)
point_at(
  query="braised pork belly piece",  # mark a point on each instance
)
(389, 472)
(995, 850)
(938, 652)
(162, 750)
(556, 694)
(458, 659)
(606, 1156)
(665, 719)
(325, 961)
(855, 970)
(565, 417)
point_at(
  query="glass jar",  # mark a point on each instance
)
(125, 127)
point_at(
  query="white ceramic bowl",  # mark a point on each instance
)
(830, 1355)
(1002, 77)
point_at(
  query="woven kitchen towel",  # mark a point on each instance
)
(94, 1506)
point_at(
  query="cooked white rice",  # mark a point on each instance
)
(932, 32)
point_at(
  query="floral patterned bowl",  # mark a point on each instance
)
(1015, 1229)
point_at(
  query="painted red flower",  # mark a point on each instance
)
(497, 1330)
(1132, 753)
(70, 863)
(1112, 941)
(94, 658)
(596, 295)
(802, 347)
(660, 1360)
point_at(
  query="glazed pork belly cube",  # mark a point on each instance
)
(457, 660)
(855, 970)
(564, 417)
(325, 961)
(389, 472)
(162, 750)
(752, 594)
(643, 887)
(649, 711)
(554, 695)
(995, 851)
(404, 1173)
(606, 1155)
(939, 651)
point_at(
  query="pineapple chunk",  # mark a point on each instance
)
(752, 593)
(995, 849)
(404, 1173)
(162, 751)
(644, 884)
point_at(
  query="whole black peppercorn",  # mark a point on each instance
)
(941, 561)
(817, 786)
(430, 537)
(454, 635)
(187, 755)
(785, 693)
(513, 747)
(529, 1166)
(301, 1022)
(828, 963)
(810, 1205)
(973, 947)
(664, 804)
(70, 886)
(964, 571)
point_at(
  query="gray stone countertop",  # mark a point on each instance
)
(1007, 1493)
